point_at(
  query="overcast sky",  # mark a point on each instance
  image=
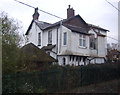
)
(97, 12)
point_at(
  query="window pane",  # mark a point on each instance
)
(84, 43)
(39, 38)
(50, 37)
(65, 38)
(80, 42)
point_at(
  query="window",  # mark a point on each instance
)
(65, 39)
(82, 40)
(92, 42)
(50, 37)
(39, 39)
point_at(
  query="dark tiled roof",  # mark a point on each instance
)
(63, 21)
(94, 26)
(76, 29)
(49, 47)
(31, 52)
(99, 34)
(42, 25)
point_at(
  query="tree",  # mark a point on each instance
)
(10, 43)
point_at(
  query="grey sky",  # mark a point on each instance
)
(97, 12)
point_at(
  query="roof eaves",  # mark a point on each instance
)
(94, 26)
(29, 28)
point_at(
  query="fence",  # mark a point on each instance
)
(56, 80)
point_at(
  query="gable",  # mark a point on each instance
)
(76, 21)
(42, 25)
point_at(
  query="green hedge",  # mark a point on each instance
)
(57, 80)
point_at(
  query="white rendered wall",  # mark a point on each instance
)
(45, 37)
(101, 47)
(33, 34)
(72, 46)
(60, 60)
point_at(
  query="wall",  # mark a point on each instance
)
(72, 47)
(33, 34)
(101, 46)
(60, 60)
(45, 37)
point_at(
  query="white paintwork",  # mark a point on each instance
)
(33, 35)
(101, 46)
(72, 47)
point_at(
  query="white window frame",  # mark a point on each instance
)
(82, 40)
(65, 39)
(50, 37)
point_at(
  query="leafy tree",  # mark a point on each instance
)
(10, 43)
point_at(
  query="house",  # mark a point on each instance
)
(71, 41)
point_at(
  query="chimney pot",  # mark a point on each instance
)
(69, 6)
(36, 14)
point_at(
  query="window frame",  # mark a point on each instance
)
(64, 38)
(50, 37)
(82, 40)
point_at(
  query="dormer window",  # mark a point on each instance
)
(49, 37)
(82, 40)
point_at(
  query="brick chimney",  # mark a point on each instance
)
(36, 14)
(70, 12)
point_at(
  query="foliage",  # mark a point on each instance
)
(60, 79)
(10, 43)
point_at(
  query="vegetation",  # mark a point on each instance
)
(57, 79)
(10, 43)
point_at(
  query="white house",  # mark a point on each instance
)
(71, 41)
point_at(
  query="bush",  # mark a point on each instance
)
(59, 78)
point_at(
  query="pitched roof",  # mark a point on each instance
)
(30, 52)
(49, 47)
(76, 29)
(97, 27)
(64, 21)
(44, 25)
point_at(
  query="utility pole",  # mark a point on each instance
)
(119, 26)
